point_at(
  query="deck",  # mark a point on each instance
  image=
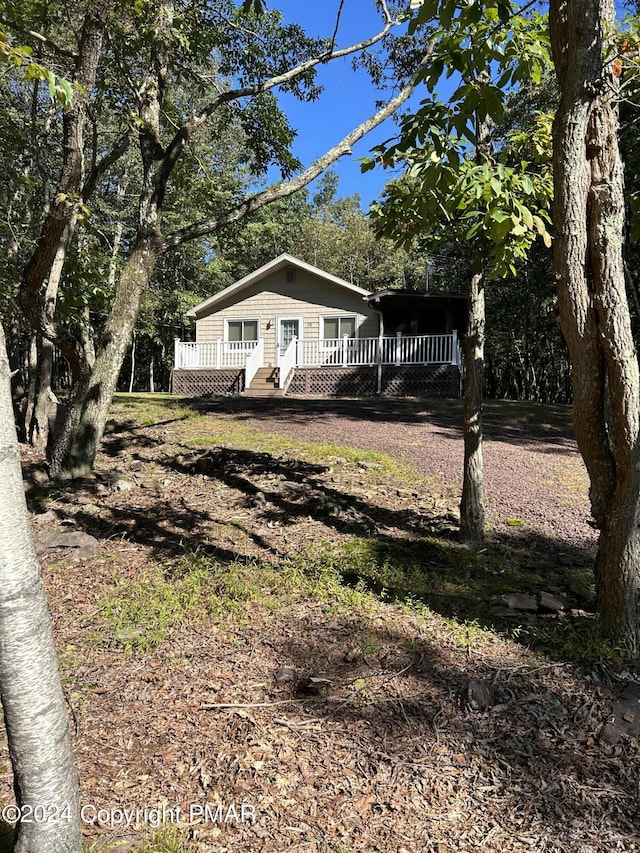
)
(334, 367)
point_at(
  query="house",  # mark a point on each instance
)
(291, 327)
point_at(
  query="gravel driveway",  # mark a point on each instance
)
(534, 476)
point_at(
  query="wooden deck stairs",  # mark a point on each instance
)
(264, 384)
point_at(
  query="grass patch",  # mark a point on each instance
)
(150, 409)
(378, 465)
(142, 613)
(165, 840)
(198, 430)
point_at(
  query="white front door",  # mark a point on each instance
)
(288, 329)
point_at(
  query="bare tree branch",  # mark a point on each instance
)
(287, 188)
(102, 166)
(25, 31)
(187, 130)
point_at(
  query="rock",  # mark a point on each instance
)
(39, 477)
(551, 602)
(151, 486)
(521, 601)
(332, 507)
(353, 655)
(83, 545)
(259, 499)
(91, 509)
(136, 465)
(45, 517)
(478, 695)
(610, 734)
(284, 675)
(582, 588)
(122, 485)
(626, 715)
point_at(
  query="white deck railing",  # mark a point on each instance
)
(339, 352)
(401, 349)
(286, 361)
(212, 354)
(254, 361)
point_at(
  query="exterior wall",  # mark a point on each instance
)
(309, 297)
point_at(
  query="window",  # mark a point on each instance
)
(291, 274)
(338, 327)
(242, 330)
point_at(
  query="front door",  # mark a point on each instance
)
(288, 329)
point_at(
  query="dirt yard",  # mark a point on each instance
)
(267, 608)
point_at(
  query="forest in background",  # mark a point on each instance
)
(525, 355)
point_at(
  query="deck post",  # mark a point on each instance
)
(218, 353)
(345, 352)
(176, 353)
(454, 346)
(398, 348)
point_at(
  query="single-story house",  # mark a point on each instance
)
(291, 327)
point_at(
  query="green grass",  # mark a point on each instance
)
(206, 431)
(142, 613)
(428, 575)
(165, 840)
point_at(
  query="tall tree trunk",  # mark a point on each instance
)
(34, 707)
(58, 227)
(472, 503)
(593, 309)
(40, 430)
(132, 373)
(78, 440)
(152, 384)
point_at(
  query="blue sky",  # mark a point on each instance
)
(348, 99)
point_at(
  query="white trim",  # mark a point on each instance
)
(281, 262)
(228, 320)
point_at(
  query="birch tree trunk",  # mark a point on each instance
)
(34, 707)
(592, 301)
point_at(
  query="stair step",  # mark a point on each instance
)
(262, 392)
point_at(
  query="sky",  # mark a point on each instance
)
(348, 99)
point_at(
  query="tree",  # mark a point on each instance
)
(589, 220)
(337, 236)
(153, 50)
(35, 711)
(490, 207)
(33, 702)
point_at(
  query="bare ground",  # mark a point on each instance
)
(427, 733)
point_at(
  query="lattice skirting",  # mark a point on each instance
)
(434, 380)
(200, 383)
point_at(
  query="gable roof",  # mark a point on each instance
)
(281, 262)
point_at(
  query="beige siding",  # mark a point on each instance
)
(309, 297)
